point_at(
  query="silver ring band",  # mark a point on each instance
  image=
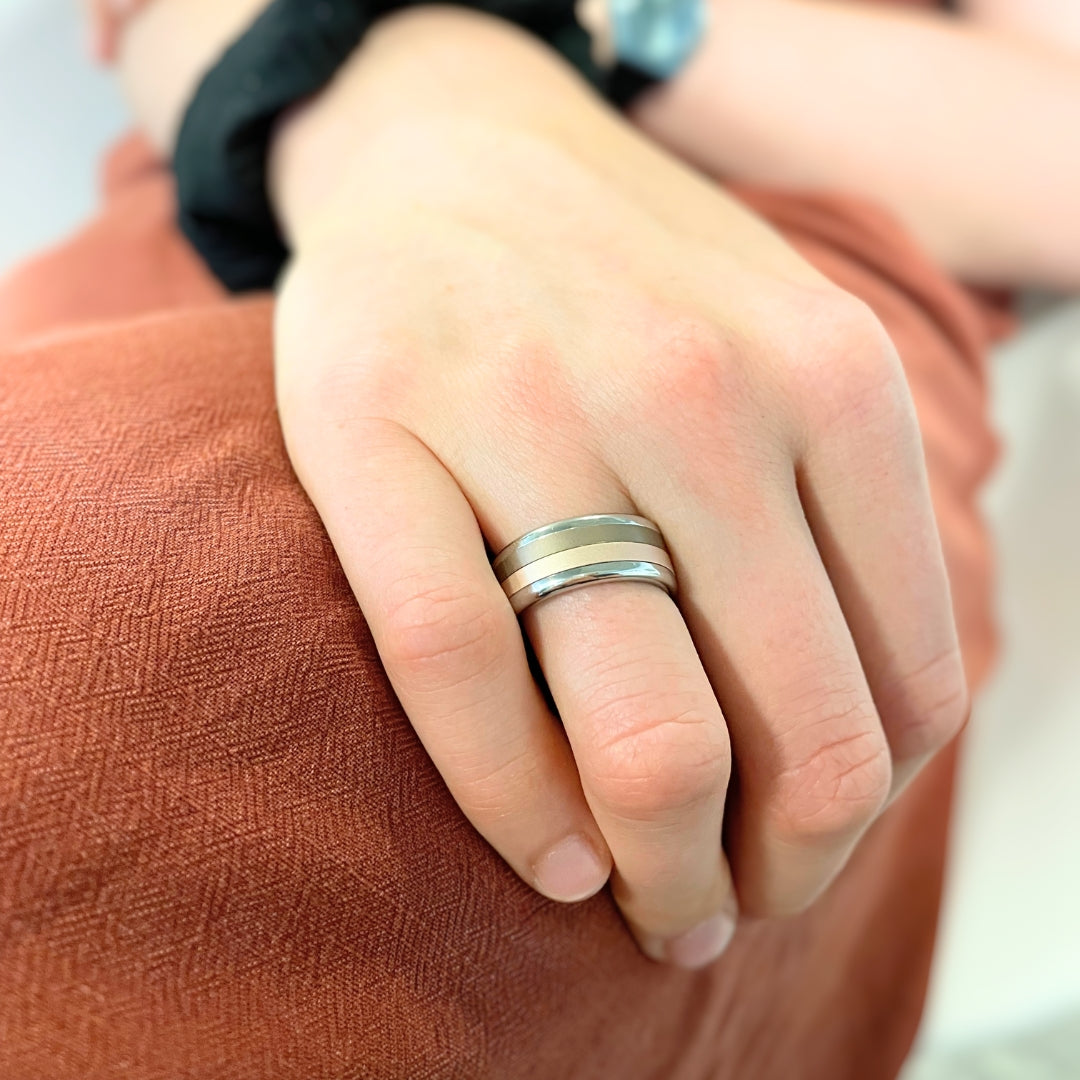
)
(580, 551)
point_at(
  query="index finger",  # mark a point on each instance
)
(409, 544)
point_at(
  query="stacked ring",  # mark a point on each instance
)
(580, 551)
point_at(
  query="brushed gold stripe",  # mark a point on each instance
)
(585, 556)
(578, 536)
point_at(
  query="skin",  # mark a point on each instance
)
(962, 128)
(959, 126)
(452, 372)
(1052, 23)
(467, 392)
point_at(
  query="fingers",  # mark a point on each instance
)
(648, 737)
(811, 758)
(769, 625)
(647, 732)
(452, 647)
(866, 496)
(653, 754)
(828, 663)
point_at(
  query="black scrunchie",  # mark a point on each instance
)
(290, 52)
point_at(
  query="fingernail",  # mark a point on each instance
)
(570, 871)
(703, 944)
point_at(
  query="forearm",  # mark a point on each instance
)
(416, 70)
(427, 77)
(165, 50)
(963, 132)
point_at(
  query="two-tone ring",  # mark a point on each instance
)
(581, 551)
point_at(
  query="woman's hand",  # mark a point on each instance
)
(506, 309)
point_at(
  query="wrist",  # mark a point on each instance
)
(446, 109)
(422, 77)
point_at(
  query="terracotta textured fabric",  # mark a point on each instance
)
(223, 852)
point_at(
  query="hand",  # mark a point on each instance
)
(503, 313)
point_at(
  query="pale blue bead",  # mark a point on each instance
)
(657, 36)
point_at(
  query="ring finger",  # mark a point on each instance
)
(650, 744)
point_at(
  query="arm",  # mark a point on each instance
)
(167, 47)
(963, 131)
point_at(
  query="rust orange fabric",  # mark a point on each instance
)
(224, 853)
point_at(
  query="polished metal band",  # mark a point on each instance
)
(580, 551)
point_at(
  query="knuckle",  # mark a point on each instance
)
(694, 347)
(696, 402)
(851, 373)
(533, 399)
(334, 375)
(694, 371)
(836, 789)
(928, 708)
(852, 329)
(657, 758)
(343, 393)
(442, 631)
(319, 395)
(642, 784)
